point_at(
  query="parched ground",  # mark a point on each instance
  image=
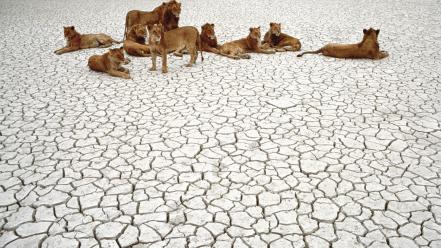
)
(275, 151)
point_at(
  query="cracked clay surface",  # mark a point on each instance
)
(275, 151)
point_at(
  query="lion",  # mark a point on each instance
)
(170, 17)
(163, 42)
(135, 41)
(208, 39)
(237, 49)
(164, 13)
(77, 41)
(110, 62)
(281, 42)
(368, 48)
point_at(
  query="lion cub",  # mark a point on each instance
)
(110, 62)
(281, 42)
(77, 41)
(368, 48)
(135, 41)
(176, 39)
(237, 49)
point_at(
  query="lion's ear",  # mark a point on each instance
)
(377, 31)
(272, 24)
(212, 25)
(251, 29)
(364, 31)
(258, 27)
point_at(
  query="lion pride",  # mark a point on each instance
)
(368, 48)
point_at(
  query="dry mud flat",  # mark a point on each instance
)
(273, 151)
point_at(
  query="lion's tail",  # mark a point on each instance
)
(199, 44)
(116, 41)
(125, 28)
(310, 52)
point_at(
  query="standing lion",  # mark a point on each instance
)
(167, 14)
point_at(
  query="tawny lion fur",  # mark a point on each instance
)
(135, 42)
(77, 41)
(251, 44)
(176, 39)
(368, 48)
(274, 38)
(167, 14)
(110, 62)
(209, 39)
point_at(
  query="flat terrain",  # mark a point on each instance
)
(275, 151)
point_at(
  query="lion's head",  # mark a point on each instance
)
(371, 33)
(207, 30)
(155, 33)
(69, 32)
(255, 33)
(139, 30)
(117, 55)
(174, 7)
(371, 36)
(275, 28)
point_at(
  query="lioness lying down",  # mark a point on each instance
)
(110, 62)
(368, 48)
(281, 42)
(77, 41)
(135, 41)
(237, 49)
(209, 41)
(176, 39)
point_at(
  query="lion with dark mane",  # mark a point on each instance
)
(208, 39)
(167, 14)
(282, 42)
(170, 17)
(135, 42)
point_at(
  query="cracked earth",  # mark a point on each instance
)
(275, 151)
